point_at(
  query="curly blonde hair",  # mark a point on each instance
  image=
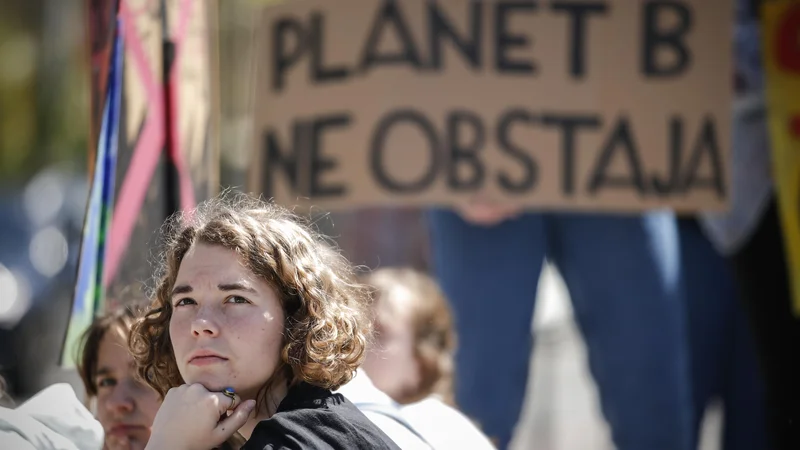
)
(327, 321)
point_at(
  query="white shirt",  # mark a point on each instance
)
(54, 419)
(362, 393)
(445, 427)
(440, 426)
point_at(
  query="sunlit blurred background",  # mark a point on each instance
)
(45, 111)
(45, 158)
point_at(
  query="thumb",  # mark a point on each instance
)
(234, 421)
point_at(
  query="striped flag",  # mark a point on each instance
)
(89, 293)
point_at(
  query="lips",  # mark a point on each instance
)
(205, 357)
(125, 429)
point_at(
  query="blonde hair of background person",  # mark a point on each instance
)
(413, 361)
(249, 297)
(415, 340)
(125, 406)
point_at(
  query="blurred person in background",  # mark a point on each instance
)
(723, 359)
(622, 273)
(750, 235)
(412, 358)
(125, 406)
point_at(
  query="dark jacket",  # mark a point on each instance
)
(314, 418)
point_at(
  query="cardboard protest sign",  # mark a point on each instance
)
(781, 43)
(606, 104)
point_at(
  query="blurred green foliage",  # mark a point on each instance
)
(44, 86)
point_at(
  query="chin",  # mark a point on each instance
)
(131, 443)
(210, 382)
(138, 445)
(213, 378)
(216, 382)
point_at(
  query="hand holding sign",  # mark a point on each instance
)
(482, 211)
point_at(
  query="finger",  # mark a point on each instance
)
(484, 217)
(226, 403)
(226, 427)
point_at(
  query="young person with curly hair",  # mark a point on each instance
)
(254, 322)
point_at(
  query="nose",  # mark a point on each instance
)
(121, 401)
(204, 324)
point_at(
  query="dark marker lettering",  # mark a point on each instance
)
(706, 144)
(664, 187)
(319, 165)
(465, 154)
(278, 160)
(441, 27)
(569, 127)
(283, 58)
(389, 15)
(579, 12)
(622, 139)
(531, 177)
(504, 41)
(320, 73)
(379, 141)
(656, 39)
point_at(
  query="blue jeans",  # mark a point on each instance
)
(723, 361)
(623, 277)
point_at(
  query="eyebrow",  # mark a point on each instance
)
(102, 371)
(236, 287)
(185, 288)
(182, 289)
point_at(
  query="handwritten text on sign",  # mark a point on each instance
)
(605, 104)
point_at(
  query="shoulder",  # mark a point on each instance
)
(318, 419)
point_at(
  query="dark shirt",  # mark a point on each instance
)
(310, 417)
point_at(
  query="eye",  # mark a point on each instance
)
(236, 299)
(184, 302)
(106, 382)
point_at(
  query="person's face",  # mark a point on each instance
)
(125, 407)
(391, 364)
(227, 323)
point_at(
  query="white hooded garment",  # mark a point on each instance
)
(53, 419)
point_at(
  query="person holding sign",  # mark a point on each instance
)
(622, 273)
(254, 322)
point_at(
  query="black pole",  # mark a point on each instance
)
(171, 203)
